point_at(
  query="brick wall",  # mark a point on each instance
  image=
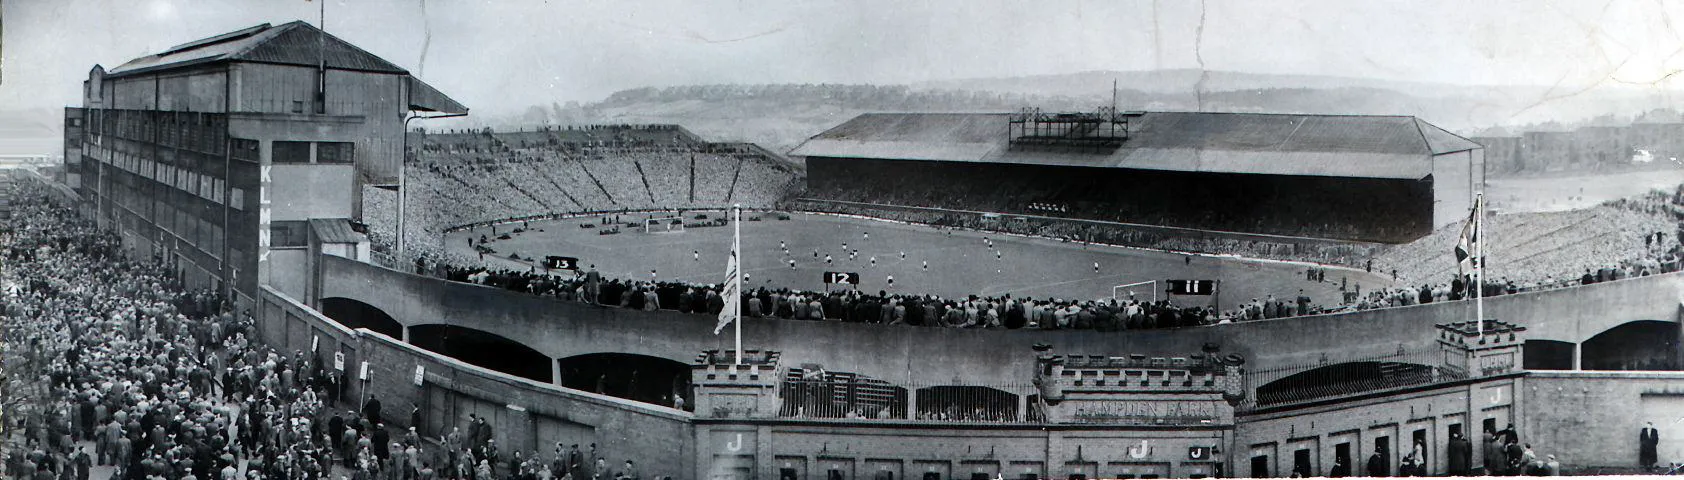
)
(813, 449)
(1362, 422)
(1590, 420)
(525, 415)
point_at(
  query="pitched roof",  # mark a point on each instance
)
(335, 230)
(1321, 145)
(293, 43)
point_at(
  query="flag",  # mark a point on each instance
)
(1466, 262)
(731, 294)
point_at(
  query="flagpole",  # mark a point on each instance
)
(1479, 263)
(736, 251)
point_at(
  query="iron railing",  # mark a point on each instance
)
(865, 399)
(1324, 380)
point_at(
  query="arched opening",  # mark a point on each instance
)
(1639, 345)
(966, 404)
(356, 314)
(482, 349)
(1344, 379)
(1548, 355)
(640, 378)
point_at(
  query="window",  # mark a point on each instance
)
(237, 199)
(334, 152)
(288, 234)
(290, 152)
(1260, 466)
(245, 149)
(297, 106)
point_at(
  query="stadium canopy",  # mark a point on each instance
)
(1278, 144)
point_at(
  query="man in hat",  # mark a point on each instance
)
(82, 463)
(371, 410)
(415, 417)
(1459, 456)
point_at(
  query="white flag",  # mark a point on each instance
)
(730, 294)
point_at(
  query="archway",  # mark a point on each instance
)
(1548, 355)
(640, 378)
(1344, 379)
(356, 314)
(1636, 345)
(482, 349)
(966, 403)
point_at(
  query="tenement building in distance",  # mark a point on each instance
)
(215, 287)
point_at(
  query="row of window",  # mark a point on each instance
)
(193, 227)
(204, 132)
(200, 185)
(300, 152)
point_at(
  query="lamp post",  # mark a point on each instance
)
(403, 191)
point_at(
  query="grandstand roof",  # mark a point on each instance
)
(335, 230)
(1319, 145)
(293, 43)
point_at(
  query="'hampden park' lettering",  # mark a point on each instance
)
(1156, 412)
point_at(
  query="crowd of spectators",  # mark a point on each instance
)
(1325, 252)
(975, 311)
(1366, 210)
(476, 178)
(462, 177)
(110, 352)
(1651, 256)
(1539, 251)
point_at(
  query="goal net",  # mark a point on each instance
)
(663, 225)
(1143, 289)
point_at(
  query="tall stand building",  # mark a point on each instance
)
(227, 155)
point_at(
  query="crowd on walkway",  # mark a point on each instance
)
(116, 367)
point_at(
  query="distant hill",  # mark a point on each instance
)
(31, 132)
(781, 116)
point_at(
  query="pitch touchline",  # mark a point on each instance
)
(1005, 288)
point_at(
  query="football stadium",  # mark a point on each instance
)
(248, 265)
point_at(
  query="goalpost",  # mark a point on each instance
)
(671, 224)
(1121, 292)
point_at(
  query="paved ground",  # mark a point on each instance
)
(960, 263)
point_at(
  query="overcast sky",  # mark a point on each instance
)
(505, 55)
